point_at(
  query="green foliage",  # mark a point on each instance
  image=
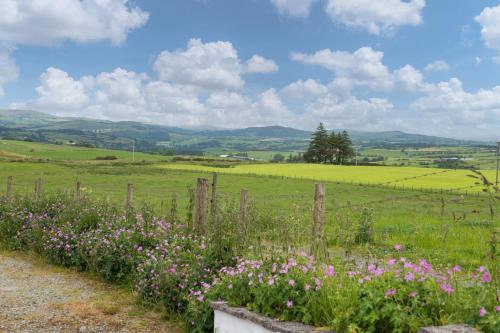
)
(365, 227)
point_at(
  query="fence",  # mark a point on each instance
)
(319, 222)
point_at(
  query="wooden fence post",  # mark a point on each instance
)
(78, 192)
(213, 202)
(201, 202)
(9, 186)
(242, 226)
(318, 217)
(38, 188)
(130, 197)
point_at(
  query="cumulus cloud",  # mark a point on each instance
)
(48, 22)
(259, 64)
(8, 70)
(489, 19)
(304, 89)
(438, 66)
(450, 106)
(295, 8)
(209, 66)
(364, 67)
(381, 17)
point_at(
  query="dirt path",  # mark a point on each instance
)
(35, 297)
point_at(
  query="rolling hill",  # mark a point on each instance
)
(40, 127)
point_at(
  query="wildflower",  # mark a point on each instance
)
(289, 304)
(497, 308)
(270, 282)
(390, 293)
(409, 277)
(291, 283)
(330, 271)
(486, 277)
(397, 247)
(447, 288)
(391, 262)
(482, 312)
(307, 287)
(413, 294)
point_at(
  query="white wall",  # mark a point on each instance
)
(225, 323)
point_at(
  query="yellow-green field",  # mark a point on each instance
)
(410, 177)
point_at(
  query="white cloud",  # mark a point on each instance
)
(60, 93)
(438, 66)
(48, 22)
(364, 67)
(296, 8)
(350, 112)
(489, 19)
(8, 70)
(379, 17)
(209, 66)
(301, 90)
(259, 64)
(411, 79)
(451, 107)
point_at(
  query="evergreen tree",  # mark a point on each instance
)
(345, 147)
(318, 147)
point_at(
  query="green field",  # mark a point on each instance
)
(32, 150)
(447, 226)
(407, 177)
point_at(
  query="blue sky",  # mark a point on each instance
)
(419, 66)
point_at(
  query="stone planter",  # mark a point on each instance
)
(240, 320)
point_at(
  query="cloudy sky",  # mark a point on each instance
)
(430, 67)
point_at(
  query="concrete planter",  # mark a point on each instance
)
(231, 320)
(240, 320)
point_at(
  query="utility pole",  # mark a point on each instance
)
(498, 161)
(133, 151)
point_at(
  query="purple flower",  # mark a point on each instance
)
(482, 312)
(497, 308)
(289, 304)
(397, 247)
(409, 277)
(330, 271)
(291, 283)
(413, 294)
(486, 277)
(390, 293)
(447, 288)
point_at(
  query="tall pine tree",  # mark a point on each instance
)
(318, 147)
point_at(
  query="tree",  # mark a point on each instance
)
(278, 158)
(345, 147)
(318, 150)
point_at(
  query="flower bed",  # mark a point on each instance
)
(167, 264)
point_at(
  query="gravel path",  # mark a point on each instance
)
(38, 298)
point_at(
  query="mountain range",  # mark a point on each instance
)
(42, 127)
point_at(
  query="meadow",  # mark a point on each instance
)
(429, 246)
(451, 225)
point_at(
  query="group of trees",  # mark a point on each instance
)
(329, 148)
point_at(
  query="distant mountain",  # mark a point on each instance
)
(41, 127)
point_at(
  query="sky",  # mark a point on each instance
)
(420, 66)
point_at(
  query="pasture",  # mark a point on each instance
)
(452, 226)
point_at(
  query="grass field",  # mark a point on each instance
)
(32, 150)
(408, 177)
(450, 226)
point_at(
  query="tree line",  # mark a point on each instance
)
(327, 147)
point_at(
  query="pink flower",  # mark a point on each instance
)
(330, 271)
(391, 262)
(497, 308)
(291, 283)
(289, 304)
(270, 282)
(413, 294)
(397, 247)
(409, 277)
(486, 277)
(390, 293)
(482, 312)
(307, 287)
(447, 288)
